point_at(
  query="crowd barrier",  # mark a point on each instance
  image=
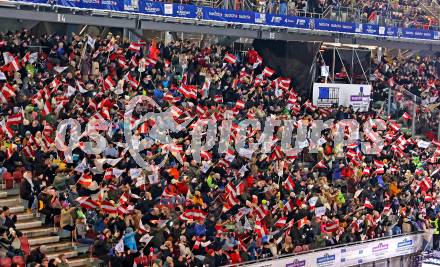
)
(351, 255)
(245, 17)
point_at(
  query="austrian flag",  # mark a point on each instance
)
(109, 83)
(47, 108)
(268, 72)
(230, 58)
(134, 47)
(239, 104)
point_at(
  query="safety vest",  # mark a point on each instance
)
(436, 225)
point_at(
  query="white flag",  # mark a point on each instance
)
(70, 91)
(33, 57)
(8, 57)
(60, 69)
(91, 41)
(135, 172)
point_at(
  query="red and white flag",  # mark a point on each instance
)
(331, 226)
(109, 83)
(193, 214)
(289, 184)
(309, 106)
(260, 229)
(230, 58)
(29, 152)
(85, 180)
(239, 104)
(206, 155)
(218, 98)
(321, 165)
(379, 164)
(425, 184)
(15, 65)
(134, 83)
(394, 126)
(284, 83)
(406, 116)
(136, 47)
(367, 204)
(15, 119)
(108, 207)
(47, 108)
(176, 112)
(151, 61)
(268, 72)
(281, 222)
(261, 211)
(55, 83)
(188, 91)
(366, 170)
(87, 202)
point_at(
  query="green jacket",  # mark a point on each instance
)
(436, 224)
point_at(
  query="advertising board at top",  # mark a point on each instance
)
(246, 17)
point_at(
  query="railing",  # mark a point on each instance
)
(425, 115)
(338, 13)
(277, 9)
(420, 241)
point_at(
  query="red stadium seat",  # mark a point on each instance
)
(18, 176)
(19, 260)
(8, 180)
(5, 262)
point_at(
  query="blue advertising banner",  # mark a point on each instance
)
(103, 4)
(70, 3)
(288, 21)
(245, 17)
(417, 34)
(131, 5)
(228, 15)
(182, 11)
(151, 8)
(334, 26)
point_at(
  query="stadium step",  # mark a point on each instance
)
(32, 223)
(77, 262)
(39, 231)
(59, 246)
(69, 253)
(9, 201)
(43, 240)
(24, 216)
(37, 234)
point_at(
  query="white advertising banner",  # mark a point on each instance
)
(328, 94)
(351, 255)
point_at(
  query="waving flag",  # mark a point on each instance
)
(406, 116)
(231, 59)
(135, 47)
(268, 72)
(367, 204)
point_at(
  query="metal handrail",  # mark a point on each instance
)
(324, 248)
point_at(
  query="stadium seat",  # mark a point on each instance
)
(19, 260)
(18, 176)
(5, 262)
(8, 180)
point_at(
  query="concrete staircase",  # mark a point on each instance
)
(37, 234)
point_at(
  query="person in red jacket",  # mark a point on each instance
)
(234, 256)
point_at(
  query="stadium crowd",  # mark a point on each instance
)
(231, 207)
